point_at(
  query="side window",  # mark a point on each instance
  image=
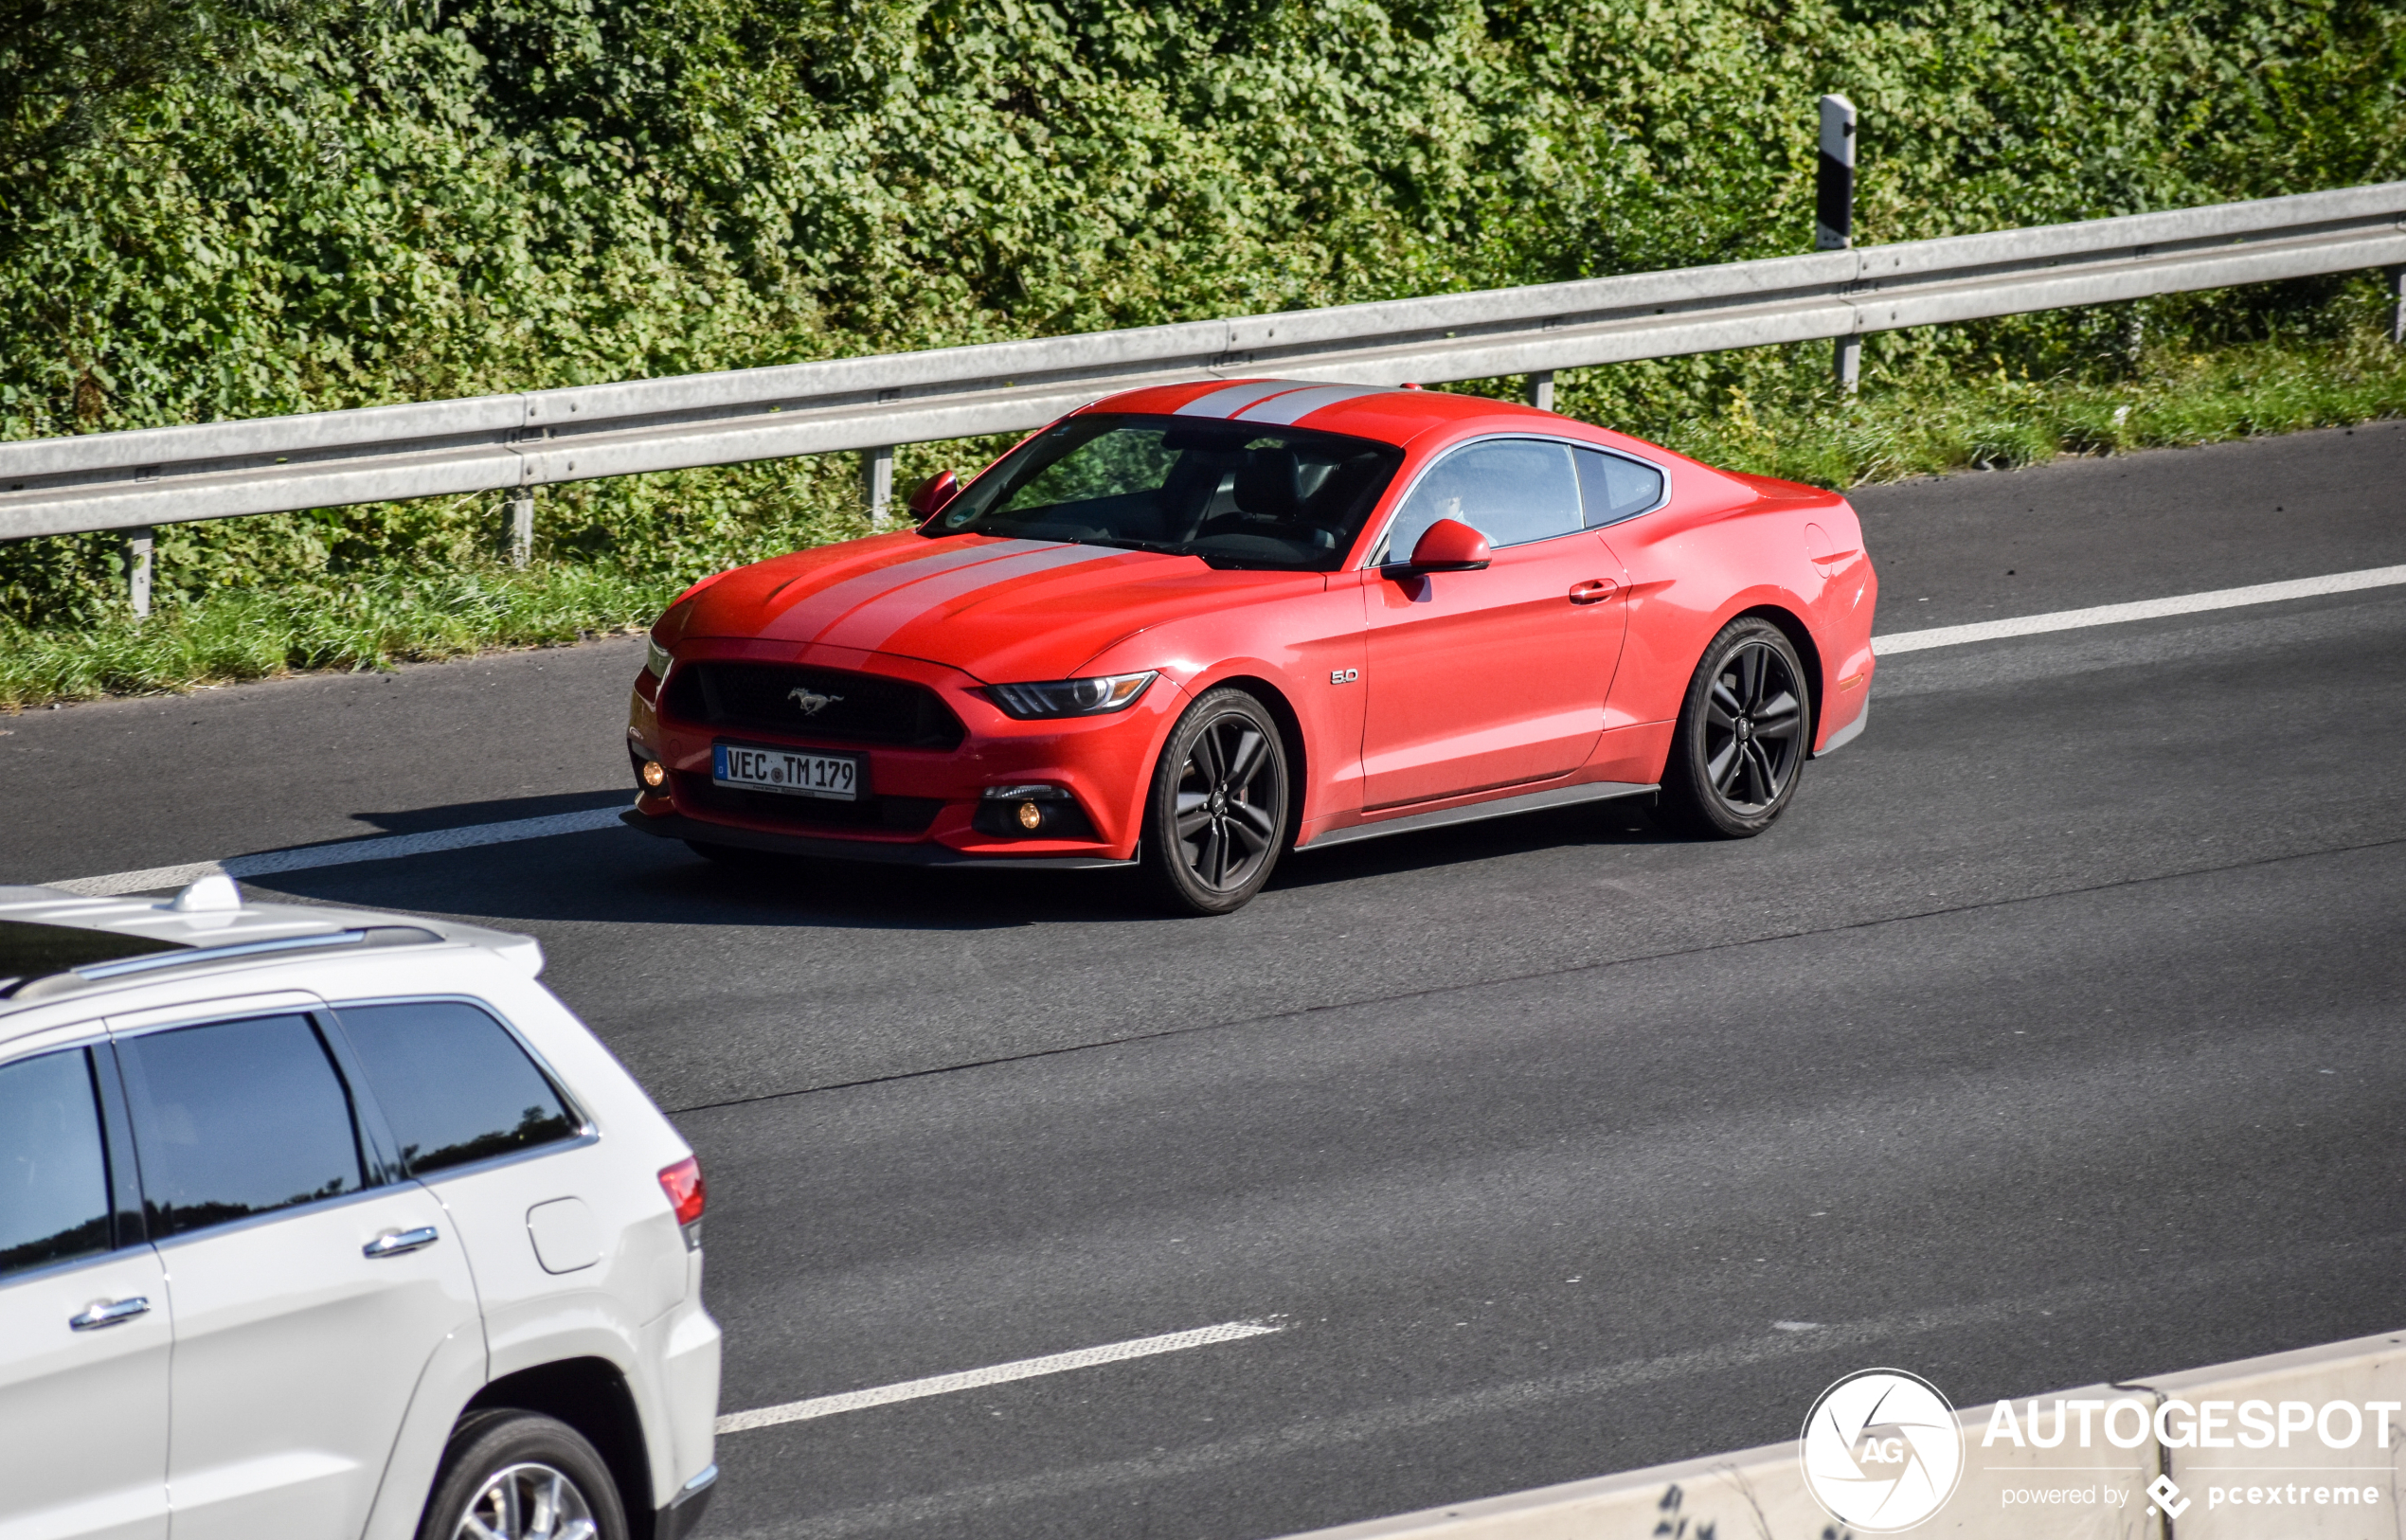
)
(452, 1083)
(1615, 489)
(235, 1118)
(1512, 491)
(54, 1179)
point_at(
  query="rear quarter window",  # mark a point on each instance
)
(454, 1084)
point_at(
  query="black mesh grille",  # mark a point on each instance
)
(849, 708)
(898, 815)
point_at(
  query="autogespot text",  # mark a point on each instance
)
(2127, 1423)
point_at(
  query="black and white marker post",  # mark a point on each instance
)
(1834, 212)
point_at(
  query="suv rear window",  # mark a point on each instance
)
(454, 1084)
(29, 951)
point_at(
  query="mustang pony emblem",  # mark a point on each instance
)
(810, 702)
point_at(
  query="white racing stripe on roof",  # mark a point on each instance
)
(1300, 403)
(869, 626)
(1231, 400)
(268, 863)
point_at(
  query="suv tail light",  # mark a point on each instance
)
(682, 1182)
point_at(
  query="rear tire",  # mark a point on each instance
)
(1217, 818)
(521, 1476)
(1744, 733)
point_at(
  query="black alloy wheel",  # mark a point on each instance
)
(1744, 733)
(1217, 821)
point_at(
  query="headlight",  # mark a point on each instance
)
(655, 659)
(1071, 697)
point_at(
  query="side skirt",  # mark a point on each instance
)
(1849, 733)
(1559, 796)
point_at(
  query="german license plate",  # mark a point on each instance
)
(835, 776)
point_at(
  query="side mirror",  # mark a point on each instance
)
(933, 495)
(1450, 545)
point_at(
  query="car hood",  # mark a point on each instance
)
(994, 609)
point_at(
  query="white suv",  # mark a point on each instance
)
(317, 1222)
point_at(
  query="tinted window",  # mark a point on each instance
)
(235, 1118)
(1616, 489)
(1512, 491)
(452, 1083)
(1243, 495)
(54, 1181)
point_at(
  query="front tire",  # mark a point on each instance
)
(1744, 730)
(1215, 820)
(519, 1476)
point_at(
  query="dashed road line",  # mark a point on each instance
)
(972, 1379)
(270, 863)
(308, 858)
(2145, 609)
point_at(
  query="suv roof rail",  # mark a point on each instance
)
(185, 956)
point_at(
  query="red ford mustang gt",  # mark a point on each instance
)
(1189, 628)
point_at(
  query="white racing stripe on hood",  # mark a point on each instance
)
(869, 626)
(811, 615)
(1231, 400)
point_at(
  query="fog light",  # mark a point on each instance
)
(1031, 815)
(656, 775)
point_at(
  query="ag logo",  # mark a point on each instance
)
(1881, 1450)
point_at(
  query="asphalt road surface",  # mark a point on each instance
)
(2053, 1036)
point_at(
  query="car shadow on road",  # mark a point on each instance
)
(617, 876)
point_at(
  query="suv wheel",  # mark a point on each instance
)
(517, 1475)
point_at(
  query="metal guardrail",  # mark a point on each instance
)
(222, 469)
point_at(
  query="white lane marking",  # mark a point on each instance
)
(937, 1385)
(2145, 609)
(268, 863)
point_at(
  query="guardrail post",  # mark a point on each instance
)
(877, 480)
(1834, 214)
(522, 526)
(137, 568)
(1541, 390)
(2397, 276)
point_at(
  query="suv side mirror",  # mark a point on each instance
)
(933, 495)
(1450, 545)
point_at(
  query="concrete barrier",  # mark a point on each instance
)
(2302, 1482)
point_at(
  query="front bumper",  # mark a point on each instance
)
(916, 853)
(926, 802)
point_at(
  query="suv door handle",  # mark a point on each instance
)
(108, 1312)
(1593, 591)
(394, 1243)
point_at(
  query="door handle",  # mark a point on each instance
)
(1593, 591)
(394, 1243)
(101, 1313)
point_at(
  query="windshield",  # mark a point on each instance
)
(1236, 494)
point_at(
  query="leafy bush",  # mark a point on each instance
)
(219, 209)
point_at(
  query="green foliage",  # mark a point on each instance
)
(221, 208)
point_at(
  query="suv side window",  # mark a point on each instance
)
(452, 1082)
(1616, 489)
(238, 1118)
(54, 1176)
(1512, 491)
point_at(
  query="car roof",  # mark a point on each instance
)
(206, 930)
(1391, 413)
